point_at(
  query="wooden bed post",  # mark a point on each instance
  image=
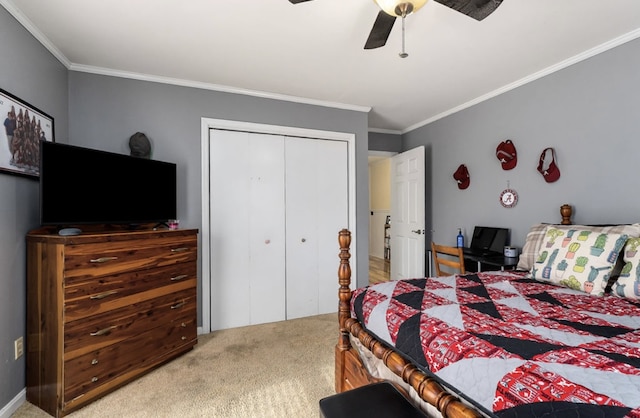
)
(344, 309)
(565, 212)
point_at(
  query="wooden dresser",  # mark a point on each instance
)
(104, 308)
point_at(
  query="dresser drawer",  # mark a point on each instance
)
(94, 296)
(92, 260)
(105, 307)
(99, 367)
(99, 331)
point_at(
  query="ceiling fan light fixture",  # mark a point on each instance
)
(400, 8)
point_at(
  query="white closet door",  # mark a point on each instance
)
(247, 229)
(317, 208)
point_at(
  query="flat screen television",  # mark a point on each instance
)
(86, 186)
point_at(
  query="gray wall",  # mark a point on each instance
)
(31, 73)
(588, 112)
(106, 111)
(385, 142)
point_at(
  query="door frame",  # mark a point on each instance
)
(205, 235)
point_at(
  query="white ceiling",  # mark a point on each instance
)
(313, 51)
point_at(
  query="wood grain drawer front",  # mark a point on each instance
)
(102, 330)
(84, 261)
(95, 296)
(355, 375)
(99, 367)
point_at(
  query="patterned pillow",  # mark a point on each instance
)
(578, 258)
(628, 283)
(536, 236)
(531, 246)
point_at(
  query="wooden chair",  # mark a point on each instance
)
(451, 257)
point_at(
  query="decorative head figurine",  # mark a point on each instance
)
(140, 145)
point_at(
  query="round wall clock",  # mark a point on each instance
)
(508, 198)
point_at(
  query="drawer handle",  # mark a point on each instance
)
(184, 338)
(103, 259)
(94, 379)
(104, 331)
(180, 277)
(179, 250)
(178, 305)
(103, 295)
(94, 361)
(183, 325)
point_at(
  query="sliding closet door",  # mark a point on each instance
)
(247, 219)
(316, 209)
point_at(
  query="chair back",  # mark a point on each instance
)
(450, 257)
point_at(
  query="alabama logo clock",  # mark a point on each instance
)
(508, 198)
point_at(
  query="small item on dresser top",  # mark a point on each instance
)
(506, 153)
(547, 165)
(140, 145)
(510, 252)
(460, 239)
(174, 224)
(70, 231)
(462, 177)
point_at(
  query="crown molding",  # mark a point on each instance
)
(535, 76)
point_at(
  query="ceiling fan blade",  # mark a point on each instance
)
(477, 9)
(297, 1)
(380, 31)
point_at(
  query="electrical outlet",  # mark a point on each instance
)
(18, 346)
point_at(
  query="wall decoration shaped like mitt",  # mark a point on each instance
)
(462, 177)
(547, 165)
(506, 153)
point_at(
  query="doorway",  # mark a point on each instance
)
(379, 216)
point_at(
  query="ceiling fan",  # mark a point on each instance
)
(390, 9)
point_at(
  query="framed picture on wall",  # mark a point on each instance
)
(24, 126)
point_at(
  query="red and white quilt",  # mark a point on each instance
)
(513, 346)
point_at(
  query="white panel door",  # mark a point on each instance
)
(407, 214)
(247, 229)
(317, 208)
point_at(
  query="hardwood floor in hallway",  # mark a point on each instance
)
(379, 270)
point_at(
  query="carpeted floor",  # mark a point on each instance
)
(274, 370)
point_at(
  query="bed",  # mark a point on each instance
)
(559, 337)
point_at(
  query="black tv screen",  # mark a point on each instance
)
(85, 186)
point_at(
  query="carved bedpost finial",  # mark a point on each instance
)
(344, 270)
(565, 212)
(344, 311)
(344, 292)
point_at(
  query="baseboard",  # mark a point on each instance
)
(15, 403)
